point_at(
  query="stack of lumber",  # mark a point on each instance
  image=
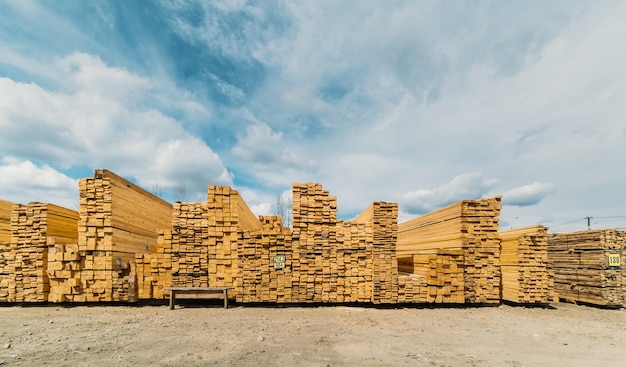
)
(190, 250)
(33, 226)
(323, 260)
(6, 207)
(588, 266)
(202, 247)
(383, 219)
(63, 271)
(313, 205)
(353, 263)
(314, 239)
(524, 263)
(470, 226)
(117, 220)
(337, 261)
(228, 216)
(442, 274)
(412, 288)
(266, 263)
(153, 270)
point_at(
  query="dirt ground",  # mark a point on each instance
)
(204, 334)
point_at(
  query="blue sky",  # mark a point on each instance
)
(423, 103)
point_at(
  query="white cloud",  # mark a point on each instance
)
(24, 182)
(389, 97)
(528, 194)
(467, 186)
(262, 147)
(91, 75)
(103, 122)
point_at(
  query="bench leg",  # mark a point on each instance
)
(172, 299)
(225, 298)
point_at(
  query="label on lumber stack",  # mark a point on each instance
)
(580, 262)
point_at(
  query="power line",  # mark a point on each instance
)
(588, 219)
(573, 221)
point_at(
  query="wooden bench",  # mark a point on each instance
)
(193, 292)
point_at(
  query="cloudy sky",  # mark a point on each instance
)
(423, 103)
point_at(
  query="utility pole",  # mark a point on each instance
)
(588, 223)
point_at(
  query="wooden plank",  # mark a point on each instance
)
(6, 207)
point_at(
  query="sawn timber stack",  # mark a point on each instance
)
(221, 243)
(33, 227)
(201, 248)
(589, 266)
(470, 226)
(323, 260)
(526, 277)
(117, 220)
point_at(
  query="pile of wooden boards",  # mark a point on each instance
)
(469, 226)
(33, 227)
(412, 288)
(221, 243)
(201, 249)
(524, 261)
(153, 270)
(323, 259)
(64, 263)
(229, 217)
(265, 260)
(588, 266)
(381, 220)
(117, 220)
(190, 253)
(6, 207)
(442, 271)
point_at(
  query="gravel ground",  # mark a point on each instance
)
(204, 334)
